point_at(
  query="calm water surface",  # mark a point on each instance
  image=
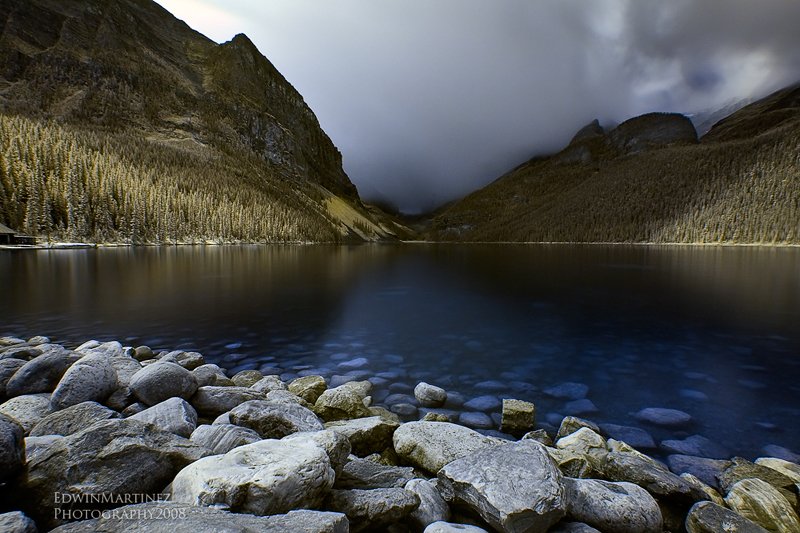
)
(714, 332)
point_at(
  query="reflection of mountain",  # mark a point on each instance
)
(649, 180)
(119, 122)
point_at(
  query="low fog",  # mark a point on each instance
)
(431, 99)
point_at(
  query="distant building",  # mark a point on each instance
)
(9, 236)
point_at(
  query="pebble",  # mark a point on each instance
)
(483, 403)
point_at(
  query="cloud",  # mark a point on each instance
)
(430, 99)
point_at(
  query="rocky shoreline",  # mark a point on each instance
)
(110, 438)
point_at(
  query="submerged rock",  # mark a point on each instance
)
(372, 509)
(568, 391)
(659, 416)
(618, 507)
(514, 487)
(707, 517)
(706, 470)
(483, 403)
(161, 381)
(431, 445)
(633, 436)
(695, 445)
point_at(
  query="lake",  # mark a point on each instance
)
(711, 331)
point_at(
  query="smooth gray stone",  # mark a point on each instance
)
(431, 445)
(274, 420)
(372, 509)
(12, 448)
(568, 391)
(126, 367)
(90, 379)
(476, 420)
(483, 403)
(430, 395)
(27, 409)
(515, 487)
(659, 416)
(222, 438)
(450, 527)
(697, 446)
(8, 367)
(183, 518)
(161, 381)
(432, 507)
(72, 419)
(632, 436)
(334, 444)
(266, 477)
(212, 401)
(22, 353)
(211, 375)
(620, 466)
(266, 384)
(366, 474)
(708, 517)
(16, 522)
(105, 350)
(405, 410)
(40, 374)
(706, 470)
(608, 506)
(173, 416)
(367, 435)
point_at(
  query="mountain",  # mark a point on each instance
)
(649, 180)
(705, 120)
(120, 122)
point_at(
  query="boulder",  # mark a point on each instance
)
(12, 448)
(308, 388)
(431, 445)
(161, 381)
(429, 395)
(126, 367)
(335, 445)
(247, 378)
(211, 375)
(366, 435)
(706, 470)
(708, 517)
(607, 506)
(709, 491)
(761, 502)
(372, 509)
(40, 374)
(518, 417)
(571, 424)
(274, 420)
(105, 350)
(222, 438)
(657, 480)
(116, 457)
(366, 474)
(212, 401)
(587, 443)
(266, 477)
(450, 527)
(172, 517)
(173, 416)
(143, 353)
(72, 419)
(17, 522)
(90, 379)
(341, 403)
(668, 418)
(432, 507)
(571, 463)
(27, 410)
(22, 353)
(743, 469)
(284, 396)
(8, 367)
(514, 487)
(188, 360)
(269, 384)
(788, 469)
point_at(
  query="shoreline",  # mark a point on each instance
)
(69, 413)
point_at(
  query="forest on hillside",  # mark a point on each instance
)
(69, 184)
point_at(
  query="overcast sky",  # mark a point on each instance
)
(431, 99)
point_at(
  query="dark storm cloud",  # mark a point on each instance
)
(430, 99)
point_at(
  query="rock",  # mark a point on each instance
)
(173, 416)
(429, 395)
(247, 378)
(432, 416)
(309, 388)
(105, 350)
(652, 131)
(573, 527)
(212, 401)
(384, 414)
(696, 446)
(432, 507)
(762, 503)
(175, 517)
(8, 367)
(23, 353)
(636, 437)
(72, 419)
(743, 469)
(618, 507)
(780, 452)
(540, 436)
(358, 362)
(449, 527)
(116, 457)
(709, 491)
(706, 470)
(266, 477)
(571, 424)
(40, 374)
(211, 375)
(405, 410)
(788, 469)
(16, 522)
(431, 445)
(284, 396)
(572, 464)
(334, 444)
(161, 381)
(222, 438)
(88, 345)
(11, 341)
(707, 517)
(27, 410)
(518, 417)
(588, 444)
(668, 418)
(274, 420)
(340, 403)
(476, 420)
(568, 391)
(514, 487)
(143, 353)
(366, 435)
(12, 448)
(366, 474)
(483, 403)
(372, 509)
(581, 407)
(657, 480)
(188, 360)
(90, 379)
(125, 368)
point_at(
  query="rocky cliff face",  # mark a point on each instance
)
(120, 64)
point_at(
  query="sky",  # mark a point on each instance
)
(429, 100)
